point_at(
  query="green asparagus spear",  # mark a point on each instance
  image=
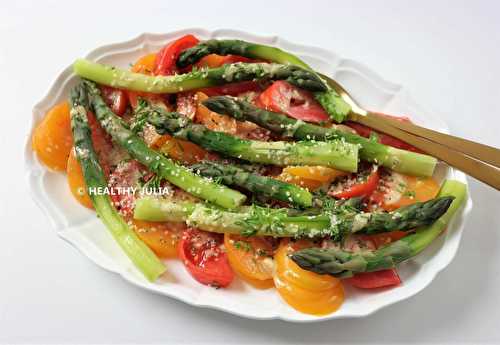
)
(116, 77)
(331, 101)
(248, 221)
(237, 47)
(156, 162)
(262, 185)
(255, 220)
(398, 160)
(407, 217)
(337, 154)
(140, 254)
(338, 262)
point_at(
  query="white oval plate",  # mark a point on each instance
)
(85, 232)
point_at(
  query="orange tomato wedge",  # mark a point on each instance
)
(152, 138)
(250, 258)
(224, 123)
(305, 291)
(52, 139)
(183, 151)
(211, 61)
(76, 181)
(162, 237)
(212, 120)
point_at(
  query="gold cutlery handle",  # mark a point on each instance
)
(454, 156)
(485, 153)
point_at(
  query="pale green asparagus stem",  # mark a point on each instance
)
(140, 254)
(338, 221)
(120, 78)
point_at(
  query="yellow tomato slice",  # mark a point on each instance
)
(316, 173)
(305, 291)
(251, 259)
(299, 181)
(145, 64)
(162, 238)
(402, 190)
(76, 181)
(302, 278)
(52, 139)
(310, 302)
(295, 274)
(310, 177)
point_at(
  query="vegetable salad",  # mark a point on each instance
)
(241, 161)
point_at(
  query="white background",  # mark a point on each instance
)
(446, 52)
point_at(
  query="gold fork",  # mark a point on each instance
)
(477, 160)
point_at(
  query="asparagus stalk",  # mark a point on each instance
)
(140, 254)
(337, 154)
(338, 262)
(116, 77)
(249, 221)
(407, 217)
(237, 47)
(156, 162)
(331, 101)
(262, 221)
(402, 161)
(232, 175)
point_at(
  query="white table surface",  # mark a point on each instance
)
(446, 52)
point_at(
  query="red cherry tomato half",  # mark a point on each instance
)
(116, 99)
(373, 280)
(204, 257)
(283, 97)
(354, 185)
(165, 63)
